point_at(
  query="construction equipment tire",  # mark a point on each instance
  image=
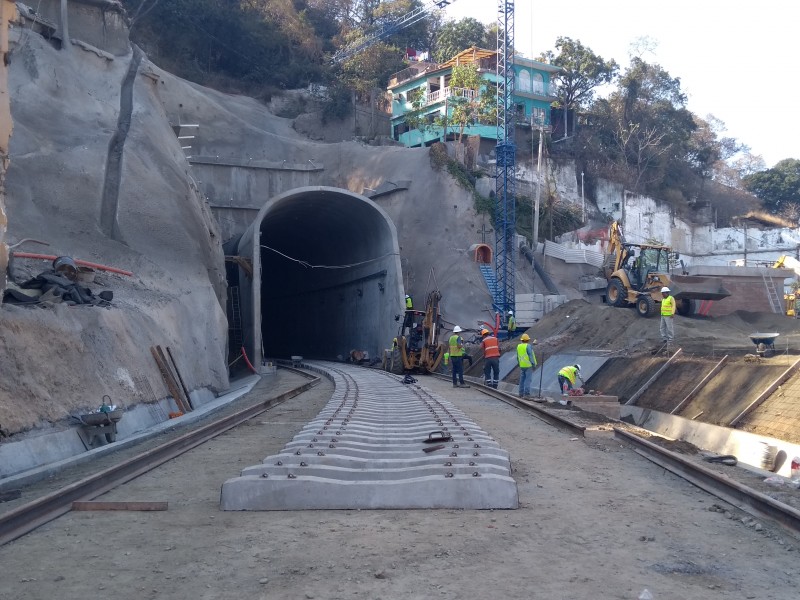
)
(615, 293)
(645, 306)
(394, 362)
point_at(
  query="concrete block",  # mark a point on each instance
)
(368, 449)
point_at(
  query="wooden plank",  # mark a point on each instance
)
(168, 380)
(138, 506)
(180, 378)
(184, 399)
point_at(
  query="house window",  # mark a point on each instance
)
(538, 84)
(538, 116)
(524, 81)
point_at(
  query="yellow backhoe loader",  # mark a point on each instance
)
(419, 348)
(637, 272)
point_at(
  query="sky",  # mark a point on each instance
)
(736, 60)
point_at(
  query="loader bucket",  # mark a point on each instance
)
(696, 287)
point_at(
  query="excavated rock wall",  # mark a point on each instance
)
(58, 361)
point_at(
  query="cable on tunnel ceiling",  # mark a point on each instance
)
(310, 266)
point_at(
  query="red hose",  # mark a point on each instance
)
(82, 263)
(247, 360)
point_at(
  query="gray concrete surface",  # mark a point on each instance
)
(40, 456)
(366, 450)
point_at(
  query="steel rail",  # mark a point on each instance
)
(535, 411)
(732, 492)
(28, 517)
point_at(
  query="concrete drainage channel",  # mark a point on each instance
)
(379, 444)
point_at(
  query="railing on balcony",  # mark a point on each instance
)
(447, 92)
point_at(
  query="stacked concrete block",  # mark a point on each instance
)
(532, 307)
(379, 444)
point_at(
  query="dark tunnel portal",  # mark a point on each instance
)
(330, 276)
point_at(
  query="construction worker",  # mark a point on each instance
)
(567, 377)
(526, 359)
(408, 320)
(417, 337)
(512, 324)
(491, 359)
(667, 327)
(457, 357)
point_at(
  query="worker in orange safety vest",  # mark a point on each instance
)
(491, 359)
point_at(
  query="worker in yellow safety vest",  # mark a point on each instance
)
(526, 359)
(667, 327)
(409, 302)
(567, 377)
(457, 357)
(512, 325)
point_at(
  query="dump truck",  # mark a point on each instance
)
(637, 272)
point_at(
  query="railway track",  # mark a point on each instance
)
(724, 488)
(27, 517)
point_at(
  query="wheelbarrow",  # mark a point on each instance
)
(96, 426)
(765, 343)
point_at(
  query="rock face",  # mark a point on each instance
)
(97, 172)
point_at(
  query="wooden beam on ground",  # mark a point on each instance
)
(651, 381)
(136, 506)
(700, 385)
(765, 394)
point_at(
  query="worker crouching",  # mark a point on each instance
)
(491, 359)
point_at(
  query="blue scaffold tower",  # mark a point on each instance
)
(505, 187)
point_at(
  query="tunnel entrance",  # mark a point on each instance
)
(326, 277)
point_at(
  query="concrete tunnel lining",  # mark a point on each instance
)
(326, 279)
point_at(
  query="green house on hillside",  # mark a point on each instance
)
(532, 95)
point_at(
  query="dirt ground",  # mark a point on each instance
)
(595, 521)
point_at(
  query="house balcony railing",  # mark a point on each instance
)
(447, 92)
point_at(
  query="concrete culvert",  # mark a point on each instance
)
(326, 276)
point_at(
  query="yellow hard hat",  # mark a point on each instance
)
(484, 332)
(524, 337)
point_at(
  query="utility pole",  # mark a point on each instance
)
(538, 185)
(583, 201)
(744, 223)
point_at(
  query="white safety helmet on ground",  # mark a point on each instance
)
(665, 289)
(456, 329)
(578, 367)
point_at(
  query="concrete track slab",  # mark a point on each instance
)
(367, 450)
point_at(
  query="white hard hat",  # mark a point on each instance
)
(511, 312)
(578, 367)
(456, 329)
(664, 289)
(407, 296)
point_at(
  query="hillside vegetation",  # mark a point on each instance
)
(640, 133)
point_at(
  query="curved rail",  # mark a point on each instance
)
(732, 492)
(532, 409)
(28, 517)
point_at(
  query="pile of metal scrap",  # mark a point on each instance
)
(62, 283)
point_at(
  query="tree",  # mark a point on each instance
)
(582, 72)
(455, 36)
(777, 187)
(470, 101)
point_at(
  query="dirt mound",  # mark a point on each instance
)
(580, 325)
